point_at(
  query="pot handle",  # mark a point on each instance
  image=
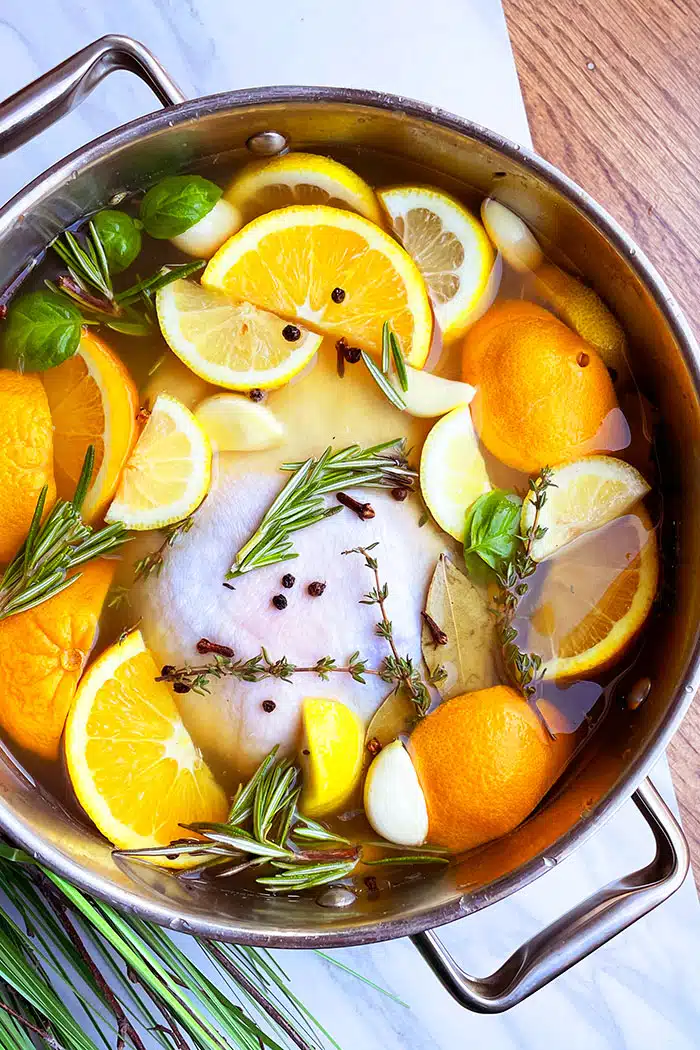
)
(580, 931)
(37, 106)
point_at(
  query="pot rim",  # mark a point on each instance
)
(374, 931)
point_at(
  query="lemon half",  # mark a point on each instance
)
(452, 471)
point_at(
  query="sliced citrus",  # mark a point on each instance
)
(26, 456)
(300, 178)
(594, 597)
(133, 765)
(234, 423)
(42, 654)
(93, 401)
(332, 270)
(452, 471)
(332, 755)
(586, 494)
(169, 471)
(511, 236)
(450, 248)
(231, 344)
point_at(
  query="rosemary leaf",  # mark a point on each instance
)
(383, 383)
(386, 348)
(399, 362)
(408, 858)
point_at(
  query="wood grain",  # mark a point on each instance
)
(612, 91)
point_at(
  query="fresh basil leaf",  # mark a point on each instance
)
(176, 203)
(120, 237)
(491, 533)
(42, 330)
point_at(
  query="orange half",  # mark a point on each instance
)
(134, 767)
(93, 401)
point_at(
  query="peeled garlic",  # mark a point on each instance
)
(207, 235)
(429, 395)
(511, 236)
(234, 423)
(394, 800)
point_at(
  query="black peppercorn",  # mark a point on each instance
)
(268, 706)
(399, 494)
(288, 580)
(256, 394)
(279, 601)
(306, 751)
(291, 333)
(316, 589)
(181, 687)
(167, 669)
(352, 354)
(338, 295)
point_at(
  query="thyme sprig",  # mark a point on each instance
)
(53, 548)
(397, 670)
(301, 502)
(524, 669)
(197, 677)
(266, 830)
(152, 563)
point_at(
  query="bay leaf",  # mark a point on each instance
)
(395, 715)
(461, 608)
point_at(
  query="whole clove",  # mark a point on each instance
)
(437, 634)
(364, 511)
(204, 646)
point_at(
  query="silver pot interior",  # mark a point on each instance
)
(420, 144)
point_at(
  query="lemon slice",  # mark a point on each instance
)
(332, 755)
(452, 471)
(231, 344)
(331, 270)
(586, 494)
(168, 473)
(450, 248)
(234, 423)
(133, 765)
(593, 597)
(301, 178)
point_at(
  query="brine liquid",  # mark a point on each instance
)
(319, 409)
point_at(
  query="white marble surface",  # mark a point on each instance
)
(640, 991)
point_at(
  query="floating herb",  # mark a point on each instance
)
(63, 542)
(176, 203)
(491, 533)
(523, 669)
(383, 383)
(398, 670)
(42, 330)
(265, 829)
(301, 503)
(119, 236)
(152, 563)
(398, 359)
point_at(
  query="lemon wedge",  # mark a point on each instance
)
(300, 178)
(234, 423)
(585, 495)
(168, 473)
(452, 471)
(231, 344)
(334, 738)
(449, 246)
(429, 395)
(134, 767)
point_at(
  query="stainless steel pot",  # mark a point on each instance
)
(615, 764)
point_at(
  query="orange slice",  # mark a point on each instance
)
(595, 595)
(42, 654)
(134, 767)
(332, 270)
(93, 401)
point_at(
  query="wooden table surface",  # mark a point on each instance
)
(612, 91)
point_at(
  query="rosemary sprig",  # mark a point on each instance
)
(265, 829)
(51, 550)
(300, 504)
(152, 563)
(86, 262)
(396, 669)
(523, 669)
(383, 383)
